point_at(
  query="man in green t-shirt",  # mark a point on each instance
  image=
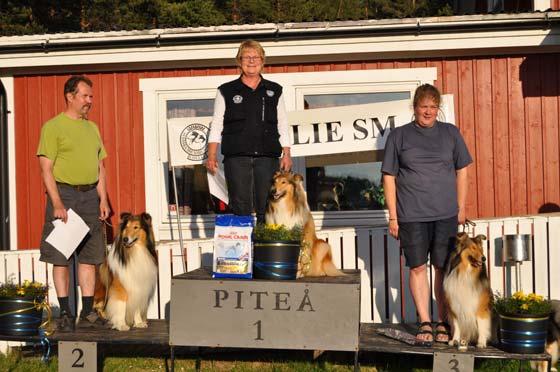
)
(71, 157)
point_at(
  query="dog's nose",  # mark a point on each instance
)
(125, 239)
(483, 259)
(273, 191)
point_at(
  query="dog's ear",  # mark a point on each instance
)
(125, 216)
(276, 174)
(146, 218)
(298, 177)
(461, 237)
(479, 238)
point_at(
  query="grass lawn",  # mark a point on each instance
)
(144, 359)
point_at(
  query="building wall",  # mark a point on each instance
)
(506, 107)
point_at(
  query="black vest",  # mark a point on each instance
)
(251, 119)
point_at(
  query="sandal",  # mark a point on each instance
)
(442, 332)
(424, 331)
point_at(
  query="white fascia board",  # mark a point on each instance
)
(343, 48)
(8, 83)
(176, 84)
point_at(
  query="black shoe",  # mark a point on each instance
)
(65, 323)
(91, 320)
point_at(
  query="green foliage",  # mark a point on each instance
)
(16, 18)
(193, 13)
(26, 289)
(275, 232)
(39, 16)
(521, 304)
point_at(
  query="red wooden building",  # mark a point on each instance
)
(503, 72)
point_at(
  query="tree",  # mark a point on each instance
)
(190, 14)
(16, 18)
(39, 16)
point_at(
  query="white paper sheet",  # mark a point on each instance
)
(217, 185)
(67, 236)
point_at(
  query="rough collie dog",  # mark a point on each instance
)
(127, 278)
(468, 293)
(287, 205)
(552, 340)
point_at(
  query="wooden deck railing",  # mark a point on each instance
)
(384, 289)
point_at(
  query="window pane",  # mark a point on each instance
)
(350, 181)
(347, 99)
(193, 196)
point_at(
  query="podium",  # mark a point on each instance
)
(308, 313)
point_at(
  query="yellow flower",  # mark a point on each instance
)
(21, 291)
(525, 307)
(518, 295)
(26, 283)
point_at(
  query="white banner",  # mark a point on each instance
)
(187, 140)
(341, 129)
(320, 131)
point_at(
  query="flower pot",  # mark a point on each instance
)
(19, 316)
(276, 260)
(522, 334)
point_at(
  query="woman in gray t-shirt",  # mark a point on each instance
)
(425, 183)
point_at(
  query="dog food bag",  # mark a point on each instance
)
(232, 247)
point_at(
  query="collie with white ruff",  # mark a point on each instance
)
(287, 205)
(468, 293)
(127, 279)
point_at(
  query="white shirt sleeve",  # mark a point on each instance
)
(217, 124)
(283, 126)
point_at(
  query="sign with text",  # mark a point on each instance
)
(342, 129)
(321, 131)
(302, 314)
(77, 356)
(453, 362)
(188, 139)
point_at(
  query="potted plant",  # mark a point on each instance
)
(21, 308)
(523, 320)
(276, 250)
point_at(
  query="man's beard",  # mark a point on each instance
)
(85, 111)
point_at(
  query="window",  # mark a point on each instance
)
(350, 181)
(337, 183)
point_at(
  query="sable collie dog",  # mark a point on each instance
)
(127, 278)
(468, 293)
(552, 340)
(287, 205)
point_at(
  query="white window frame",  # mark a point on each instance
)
(156, 92)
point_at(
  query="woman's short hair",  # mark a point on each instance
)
(426, 91)
(250, 44)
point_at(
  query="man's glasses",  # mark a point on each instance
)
(251, 59)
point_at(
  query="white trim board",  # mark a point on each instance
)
(8, 82)
(327, 48)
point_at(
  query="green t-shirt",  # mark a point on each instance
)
(75, 147)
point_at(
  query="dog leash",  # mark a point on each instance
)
(105, 224)
(468, 227)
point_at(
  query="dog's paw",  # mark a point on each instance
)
(481, 345)
(463, 345)
(141, 325)
(121, 327)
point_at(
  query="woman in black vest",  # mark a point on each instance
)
(250, 122)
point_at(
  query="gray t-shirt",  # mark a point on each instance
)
(424, 162)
